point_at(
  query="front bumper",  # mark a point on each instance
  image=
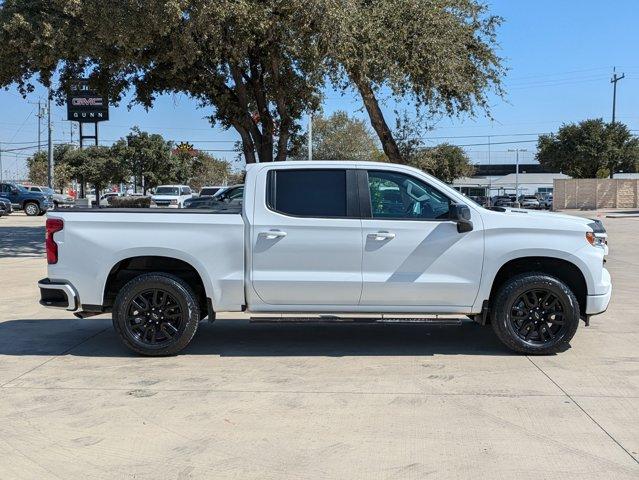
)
(596, 304)
(57, 295)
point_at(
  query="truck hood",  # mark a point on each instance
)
(558, 219)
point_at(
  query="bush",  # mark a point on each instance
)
(130, 202)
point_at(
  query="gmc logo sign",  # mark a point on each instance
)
(86, 105)
(87, 102)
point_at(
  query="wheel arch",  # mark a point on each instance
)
(565, 270)
(130, 267)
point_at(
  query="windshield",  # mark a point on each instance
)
(231, 193)
(208, 191)
(47, 190)
(167, 191)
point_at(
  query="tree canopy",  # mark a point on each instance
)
(260, 64)
(340, 137)
(590, 149)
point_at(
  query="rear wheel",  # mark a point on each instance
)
(31, 208)
(535, 313)
(156, 314)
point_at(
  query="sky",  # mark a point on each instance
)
(560, 56)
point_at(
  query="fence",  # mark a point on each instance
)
(593, 193)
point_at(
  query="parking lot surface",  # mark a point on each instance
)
(273, 401)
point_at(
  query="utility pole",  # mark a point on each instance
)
(310, 137)
(517, 150)
(615, 78)
(49, 141)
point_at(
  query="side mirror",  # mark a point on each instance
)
(460, 214)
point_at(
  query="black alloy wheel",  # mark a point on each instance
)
(535, 313)
(156, 314)
(154, 317)
(537, 316)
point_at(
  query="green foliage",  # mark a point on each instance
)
(439, 54)
(259, 65)
(340, 137)
(590, 149)
(206, 169)
(38, 167)
(445, 161)
(97, 166)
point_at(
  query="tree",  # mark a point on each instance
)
(256, 63)
(38, 167)
(440, 54)
(148, 157)
(445, 161)
(98, 166)
(206, 169)
(340, 137)
(589, 149)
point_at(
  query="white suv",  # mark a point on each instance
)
(171, 196)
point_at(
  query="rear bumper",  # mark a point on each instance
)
(57, 295)
(596, 304)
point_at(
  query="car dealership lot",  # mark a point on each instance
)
(262, 400)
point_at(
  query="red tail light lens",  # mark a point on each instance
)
(53, 225)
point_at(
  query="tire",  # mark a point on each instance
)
(535, 314)
(139, 311)
(31, 209)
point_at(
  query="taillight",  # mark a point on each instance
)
(53, 225)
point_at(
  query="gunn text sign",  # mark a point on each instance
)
(85, 105)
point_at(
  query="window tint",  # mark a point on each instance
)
(398, 196)
(186, 191)
(208, 191)
(308, 193)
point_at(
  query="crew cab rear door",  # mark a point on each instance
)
(305, 238)
(414, 257)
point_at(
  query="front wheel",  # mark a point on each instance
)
(32, 209)
(534, 313)
(156, 314)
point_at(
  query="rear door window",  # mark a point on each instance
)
(308, 193)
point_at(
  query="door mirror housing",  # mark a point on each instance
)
(460, 214)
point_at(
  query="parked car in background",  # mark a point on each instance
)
(104, 198)
(545, 201)
(330, 238)
(170, 196)
(59, 199)
(210, 191)
(529, 202)
(225, 196)
(5, 204)
(503, 201)
(33, 203)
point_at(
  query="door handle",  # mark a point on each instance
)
(273, 234)
(380, 236)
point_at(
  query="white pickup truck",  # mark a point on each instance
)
(329, 238)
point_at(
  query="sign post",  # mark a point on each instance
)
(86, 106)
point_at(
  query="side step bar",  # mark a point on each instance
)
(443, 320)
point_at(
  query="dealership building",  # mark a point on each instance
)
(491, 180)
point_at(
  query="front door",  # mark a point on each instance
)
(306, 239)
(413, 254)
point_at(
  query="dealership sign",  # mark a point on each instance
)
(85, 105)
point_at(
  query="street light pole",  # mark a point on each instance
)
(310, 137)
(49, 142)
(517, 150)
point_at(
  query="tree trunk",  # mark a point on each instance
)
(378, 122)
(248, 147)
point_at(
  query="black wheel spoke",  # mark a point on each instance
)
(154, 317)
(537, 316)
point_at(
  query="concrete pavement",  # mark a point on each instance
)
(274, 401)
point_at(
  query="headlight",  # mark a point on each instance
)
(596, 240)
(174, 202)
